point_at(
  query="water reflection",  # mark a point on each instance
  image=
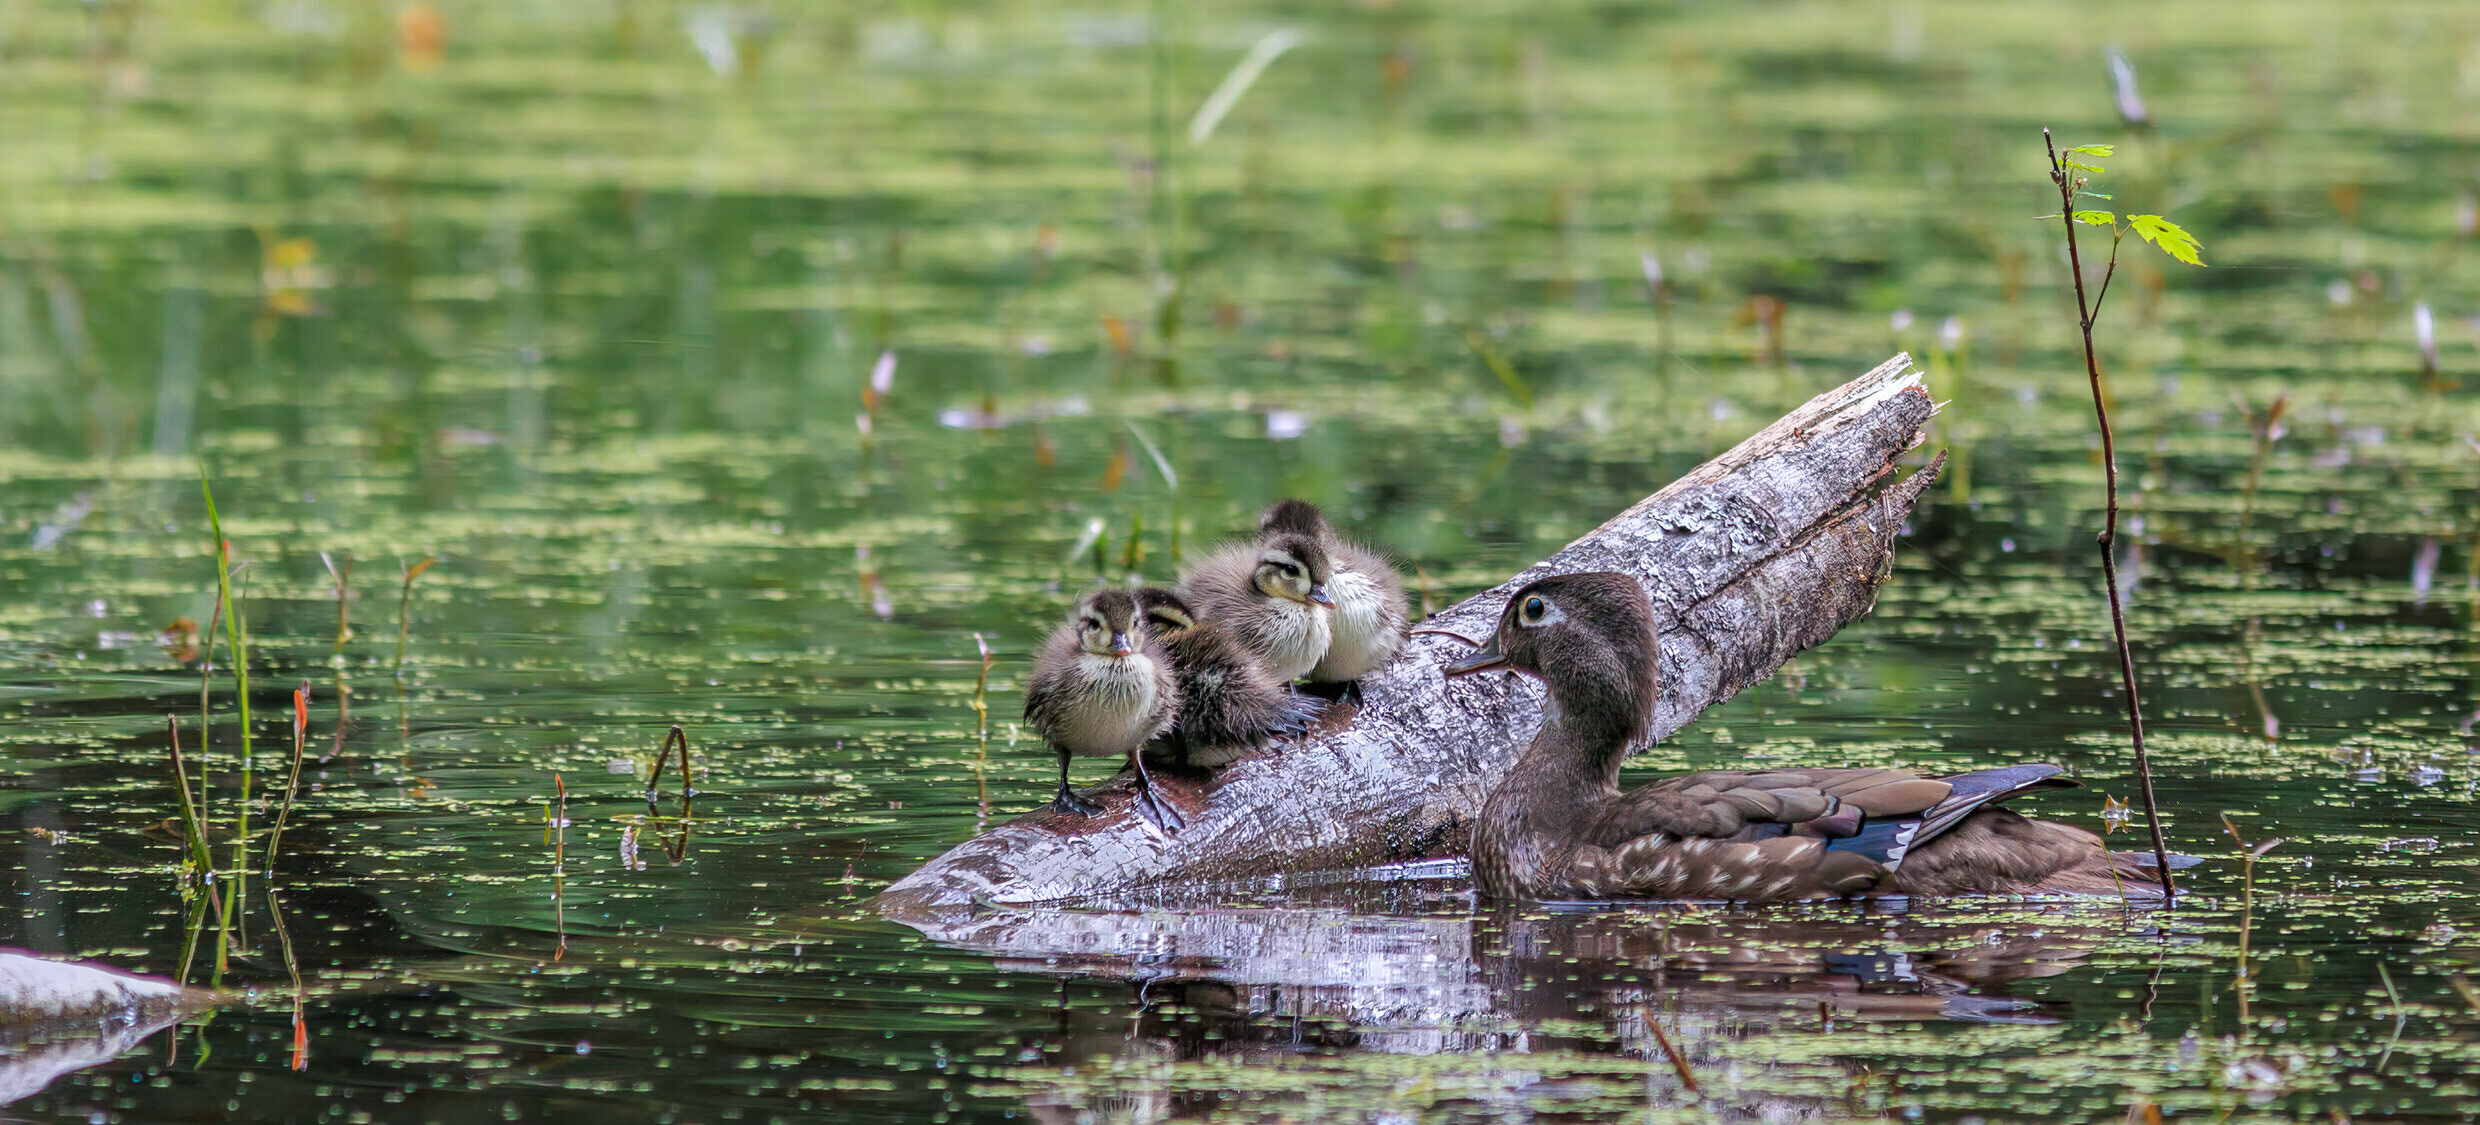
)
(1658, 1005)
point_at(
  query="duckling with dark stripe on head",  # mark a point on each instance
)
(1371, 618)
(1229, 702)
(1271, 594)
(1557, 826)
(1102, 687)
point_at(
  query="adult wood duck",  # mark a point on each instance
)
(1559, 827)
(1229, 702)
(1371, 618)
(1102, 687)
(1271, 594)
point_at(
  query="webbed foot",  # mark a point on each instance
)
(1068, 802)
(1158, 812)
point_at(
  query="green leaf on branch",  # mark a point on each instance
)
(2093, 150)
(2095, 195)
(2082, 167)
(2096, 218)
(2168, 235)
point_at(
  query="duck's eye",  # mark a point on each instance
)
(1289, 571)
(1534, 610)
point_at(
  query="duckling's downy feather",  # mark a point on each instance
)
(1289, 636)
(1371, 618)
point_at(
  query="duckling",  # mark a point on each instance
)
(1371, 618)
(1271, 594)
(1558, 826)
(1101, 687)
(1229, 703)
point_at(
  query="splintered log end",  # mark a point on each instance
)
(1750, 558)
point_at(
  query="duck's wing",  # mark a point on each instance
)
(1779, 834)
(1741, 804)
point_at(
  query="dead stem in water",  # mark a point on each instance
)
(981, 716)
(236, 638)
(292, 965)
(559, 867)
(1687, 1078)
(292, 784)
(343, 576)
(191, 827)
(404, 611)
(2249, 853)
(680, 738)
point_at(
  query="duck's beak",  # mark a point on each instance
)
(1319, 596)
(1486, 658)
(1120, 645)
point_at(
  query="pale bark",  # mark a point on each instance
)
(1750, 558)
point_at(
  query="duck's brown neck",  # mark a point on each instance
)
(1586, 731)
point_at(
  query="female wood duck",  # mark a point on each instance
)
(1271, 594)
(1229, 703)
(1558, 826)
(1370, 618)
(1100, 688)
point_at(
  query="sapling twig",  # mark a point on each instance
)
(2070, 175)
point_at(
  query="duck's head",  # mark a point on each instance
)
(1293, 517)
(1589, 639)
(1294, 567)
(1165, 613)
(1108, 623)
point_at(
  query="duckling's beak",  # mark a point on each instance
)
(1120, 645)
(1481, 661)
(1319, 596)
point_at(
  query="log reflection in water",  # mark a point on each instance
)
(1322, 978)
(60, 1016)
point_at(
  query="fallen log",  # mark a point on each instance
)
(1750, 558)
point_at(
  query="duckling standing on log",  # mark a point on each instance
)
(1101, 687)
(1559, 827)
(1371, 618)
(1229, 703)
(1271, 594)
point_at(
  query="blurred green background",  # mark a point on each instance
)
(741, 363)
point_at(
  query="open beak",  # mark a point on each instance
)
(1482, 661)
(1319, 596)
(1120, 645)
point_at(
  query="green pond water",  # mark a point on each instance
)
(586, 300)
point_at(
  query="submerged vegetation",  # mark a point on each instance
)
(603, 305)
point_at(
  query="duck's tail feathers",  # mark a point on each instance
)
(2130, 875)
(1980, 789)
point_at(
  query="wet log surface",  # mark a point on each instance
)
(1752, 557)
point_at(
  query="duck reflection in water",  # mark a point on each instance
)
(1545, 1004)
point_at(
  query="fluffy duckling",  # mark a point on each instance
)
(1558, 826)
(1371, 618)
(1229, 703)
(1101, 687)
(1271, 594)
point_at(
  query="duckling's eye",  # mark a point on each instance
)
(1533, 611)
(1289, 571)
